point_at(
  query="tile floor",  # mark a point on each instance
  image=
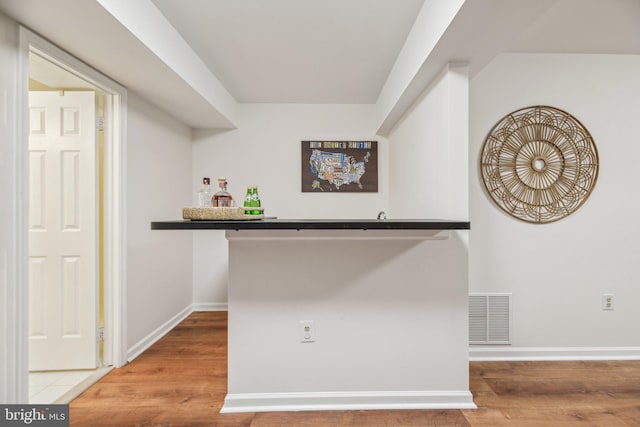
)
(49, 387)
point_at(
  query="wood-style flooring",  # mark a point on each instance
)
(181, 381)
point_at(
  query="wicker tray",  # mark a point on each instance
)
(220, 214)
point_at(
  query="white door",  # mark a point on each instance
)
(62, 231)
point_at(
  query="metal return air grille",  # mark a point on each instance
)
(490, 319)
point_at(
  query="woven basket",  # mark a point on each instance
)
(219, 214)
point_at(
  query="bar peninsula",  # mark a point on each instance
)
(345, 314)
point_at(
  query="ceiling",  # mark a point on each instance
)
(296, 51)
(199, 59)
(584, 26)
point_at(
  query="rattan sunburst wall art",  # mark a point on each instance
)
(539, 164)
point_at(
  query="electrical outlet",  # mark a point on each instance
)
(607, 301)
(307, 331)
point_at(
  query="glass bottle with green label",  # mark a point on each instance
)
(255, 201)
(247, 197)
(247, 200)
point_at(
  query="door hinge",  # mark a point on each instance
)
(101, 334)
(99, 123)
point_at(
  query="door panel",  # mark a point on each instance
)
(62, 231)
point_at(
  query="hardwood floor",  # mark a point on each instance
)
(181, 381)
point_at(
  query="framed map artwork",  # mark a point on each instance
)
(339, 166)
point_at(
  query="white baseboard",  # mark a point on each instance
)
(209, 306)
(496, 353)
(476, 353)
(154, 336)
(339, 401)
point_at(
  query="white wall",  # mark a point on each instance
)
(428, 174)
(559, 271)
(10, 313)
(428, 166)
(158, 185)
(418, 157)
(265, 150)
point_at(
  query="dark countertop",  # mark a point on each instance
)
(314, 224)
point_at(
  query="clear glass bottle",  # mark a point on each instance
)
(205, 193)
(222, 199)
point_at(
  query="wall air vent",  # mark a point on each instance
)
(489, 318)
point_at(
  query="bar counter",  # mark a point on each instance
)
(314, 224)
(345, 314)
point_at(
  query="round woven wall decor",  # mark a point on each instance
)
(539, 164)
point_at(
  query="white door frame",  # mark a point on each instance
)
(115, 349)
